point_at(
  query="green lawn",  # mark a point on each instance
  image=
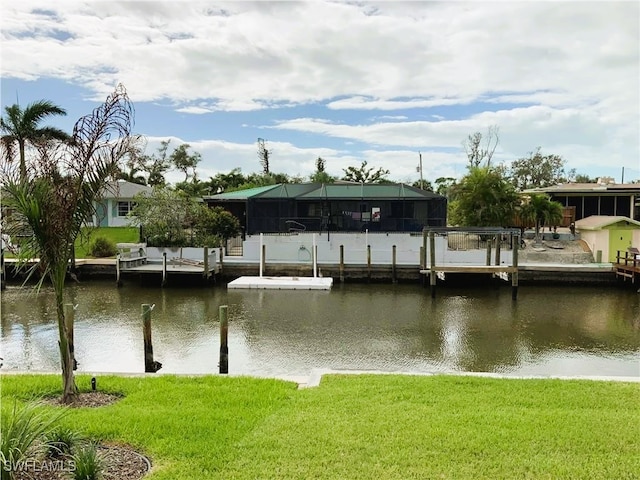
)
(369, 427)
(84, 241)
(115, 234)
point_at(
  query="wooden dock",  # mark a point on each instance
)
(132, 259)
(628, 265)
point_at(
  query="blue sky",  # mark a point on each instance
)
(348, 81)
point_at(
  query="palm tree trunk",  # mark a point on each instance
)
(69, 389)
(23, 161)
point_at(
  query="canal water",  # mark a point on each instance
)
(557, 330)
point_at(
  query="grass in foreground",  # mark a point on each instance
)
(364, 426)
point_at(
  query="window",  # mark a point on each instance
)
(124, 208)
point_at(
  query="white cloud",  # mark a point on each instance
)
(570, 68)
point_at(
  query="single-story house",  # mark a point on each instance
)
(609, 234)
(116, 202)
(602, 198)
(340, 207)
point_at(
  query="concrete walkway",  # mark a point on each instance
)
(315, 377)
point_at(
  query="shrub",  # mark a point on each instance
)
(102, 247)
(88, 464)
(60, 442)
(23, 430)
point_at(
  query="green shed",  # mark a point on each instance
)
(609, 235)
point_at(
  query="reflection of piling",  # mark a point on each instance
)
(150, 366)
(118, 280)
(341, 263)
(224, 347)
(514, 275)
(69, 318)
(394, 278)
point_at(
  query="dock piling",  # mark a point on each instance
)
(432, 263)
(369, 263)
(394, 278)
(164, 268)
(224, 346)
(489, 240)
(497, 250)
(341, 263)
(150, 366)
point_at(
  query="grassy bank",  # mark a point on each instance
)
(378, 427)
(113, 234)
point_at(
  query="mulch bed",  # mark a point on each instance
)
(85, 399)
(120, 462)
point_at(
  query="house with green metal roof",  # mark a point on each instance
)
(340, 207)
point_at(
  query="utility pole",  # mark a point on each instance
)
(420, 170)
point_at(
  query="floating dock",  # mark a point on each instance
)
(282, 283)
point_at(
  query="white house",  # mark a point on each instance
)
(117, 201)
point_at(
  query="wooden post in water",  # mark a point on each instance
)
(150, 366)
(164, 269)
(3, 272)
(69, 318)
(423, 264)
(222, 249)
(263, 261)
(369, 263)
(489, 251)
(514, 275)
(341, 263)
(206, 262)
(432, 266)
(423, 256)
(224, 346)
(498, 249)
(394, 278)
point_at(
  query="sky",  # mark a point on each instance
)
(349, 81)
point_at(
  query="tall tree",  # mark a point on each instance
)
(541, 210)
(57, 196)
(264, 156)
(537, 170)
(21, 127)
(184, 161)
(480, 149)
(362, 174)
(483, 198)
(132, 166)
(320, 175)
(157, 164)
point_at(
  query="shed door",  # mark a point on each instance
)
(619, 240)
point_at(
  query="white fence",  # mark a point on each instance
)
(297, 247)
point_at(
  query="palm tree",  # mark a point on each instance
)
(57, 196)
(541, 210)
(21, 127)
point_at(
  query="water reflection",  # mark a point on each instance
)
(548, 331)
